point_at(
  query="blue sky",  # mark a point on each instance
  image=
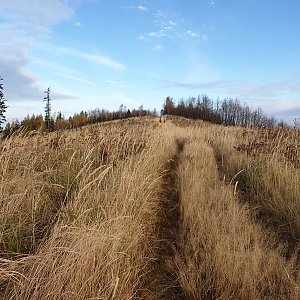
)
(104, 53)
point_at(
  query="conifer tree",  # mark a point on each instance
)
(47, 107)
(3, 107)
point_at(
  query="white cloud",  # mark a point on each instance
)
(77, 24)
(141, 37)
(25, 23)
(204, 37)
(115, 83)
(98, 59)
(72, 77)
(18, 84)
(36, 12)
(267, 95)
(237, 88)
(12, 34)
(142, 8)
(211, 3)
(160, 33)
(192, 33)
(101, 60)
(157, 48)
(173, 26)
(56, 96)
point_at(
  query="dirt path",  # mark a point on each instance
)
(164, 283)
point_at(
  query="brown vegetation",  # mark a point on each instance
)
(138, 209)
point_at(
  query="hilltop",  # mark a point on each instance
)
(138, 209)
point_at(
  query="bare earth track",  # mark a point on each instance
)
(166, 284)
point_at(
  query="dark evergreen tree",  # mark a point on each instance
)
(47, 107)
(3, 107)
(128, 113)
(59, 116)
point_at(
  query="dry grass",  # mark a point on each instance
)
(267, 181)
(139, 210)
(105, 223)
(222, 253)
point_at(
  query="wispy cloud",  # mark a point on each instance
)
(72, 77)
(115, 84)
(243, 89)
(36, 12)
(56, 96)
(269, 95)
(175, 27)
(287, 108)
(192, 33)
(158, 34)
(211, 3)
(98, 59)
(143, 8)
(101, 60)
(157, 48)
(26, 23)
(204, 37)
(77, 24)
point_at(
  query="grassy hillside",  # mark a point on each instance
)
(138, 209)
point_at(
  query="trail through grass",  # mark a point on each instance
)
(139, 209)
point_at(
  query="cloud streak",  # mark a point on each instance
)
(101, 60)
(77, 24)
(72, 77)
(173, 26)
(157, 48)
(98, 59)
(158, 34)
(36, 12)
(192, 33)
(56, 96)
(115, 84)
(142, 8)
(240, 88)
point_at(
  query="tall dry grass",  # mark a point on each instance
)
(140, 210)
(223, 253)
(267, 180)
(102, 240)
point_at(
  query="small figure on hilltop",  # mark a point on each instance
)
(162, 118)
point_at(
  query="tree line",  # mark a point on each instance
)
(228, 112)
(58, 121)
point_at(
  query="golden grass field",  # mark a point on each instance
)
(137, 209)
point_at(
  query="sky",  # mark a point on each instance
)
(104, 53)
